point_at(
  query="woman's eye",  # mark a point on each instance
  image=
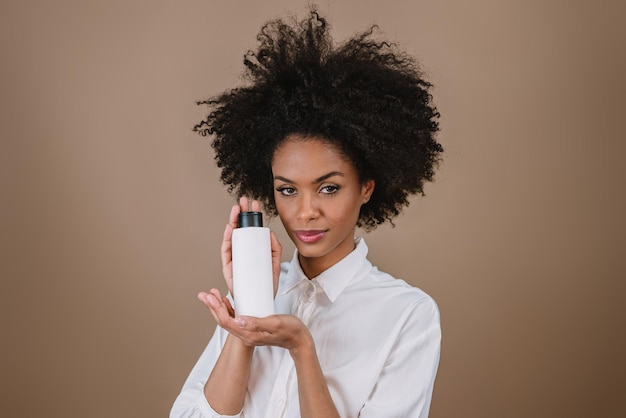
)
(329, 189)
(286, 191)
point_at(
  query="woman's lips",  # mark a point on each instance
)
(310, 236)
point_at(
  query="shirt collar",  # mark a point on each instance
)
(334, 279)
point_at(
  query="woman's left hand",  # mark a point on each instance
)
(286, 331)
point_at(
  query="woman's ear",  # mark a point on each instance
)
(366, 190)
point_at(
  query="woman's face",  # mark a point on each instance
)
(318, 196)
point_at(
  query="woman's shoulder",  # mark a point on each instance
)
(394, 291)
(378, 279)
(284, 267)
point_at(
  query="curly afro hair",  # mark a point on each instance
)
(364, 96)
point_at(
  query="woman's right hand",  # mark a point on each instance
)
(227, 243)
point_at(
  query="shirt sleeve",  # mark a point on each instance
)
(405, 385)
(191, 402)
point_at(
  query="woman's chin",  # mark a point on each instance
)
(307, 251)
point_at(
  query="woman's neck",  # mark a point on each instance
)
(314, 266)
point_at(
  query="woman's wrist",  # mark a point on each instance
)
(304, 346)
(237, 346)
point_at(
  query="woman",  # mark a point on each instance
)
(327, 139)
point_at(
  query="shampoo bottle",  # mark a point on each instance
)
(253, 285)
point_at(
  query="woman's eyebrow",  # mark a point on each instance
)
(281, 178)
(327, 176)
(317, 180)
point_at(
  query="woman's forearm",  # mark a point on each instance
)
(225, 389)
(315, 399)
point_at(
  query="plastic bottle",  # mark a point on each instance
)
(253, 285)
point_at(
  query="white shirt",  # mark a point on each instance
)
(377, 339)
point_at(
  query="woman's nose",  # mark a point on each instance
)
(307, 208)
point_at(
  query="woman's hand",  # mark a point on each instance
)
(226, 387)
(227, 243)
(286, 331)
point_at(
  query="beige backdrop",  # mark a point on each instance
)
(111, 211)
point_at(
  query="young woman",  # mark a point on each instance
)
(328, 139)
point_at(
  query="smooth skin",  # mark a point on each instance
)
(318, 196)
(318, 192)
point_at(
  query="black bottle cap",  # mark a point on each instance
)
(246, 219)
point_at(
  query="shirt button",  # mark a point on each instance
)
(311, 292)
(281, 402)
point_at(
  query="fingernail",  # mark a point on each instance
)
(240, 322)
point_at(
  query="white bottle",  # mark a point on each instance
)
(253, 284)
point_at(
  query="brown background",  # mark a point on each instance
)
(111, 211)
